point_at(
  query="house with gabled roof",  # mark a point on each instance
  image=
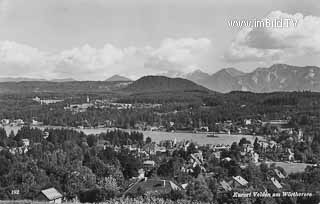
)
(50, 195)
(276, 183)
(152, 186)
(224, 186)
(238, 182)
(279, 174)
(149, 165)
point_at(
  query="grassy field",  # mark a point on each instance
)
(292, 167)
(157, 136)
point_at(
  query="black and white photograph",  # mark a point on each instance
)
(159, 101)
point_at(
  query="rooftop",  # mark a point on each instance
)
(276, 183)
(153, 185)
(225, 185)
(240, 180)
(51, 193)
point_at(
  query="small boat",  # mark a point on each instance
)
(212, 135)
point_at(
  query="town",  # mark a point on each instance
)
(90, 149)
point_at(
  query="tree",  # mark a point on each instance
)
(235, 151)
(129, 164)
(198, 190)
(244, 141)
(3, 137)
(110, 186)
(256, 145)
(5, 165)
(92, 140)
(78, 178)
(148, 140)
(95, 195)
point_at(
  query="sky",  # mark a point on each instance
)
(95, 39)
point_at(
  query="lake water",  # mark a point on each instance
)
(200, 138)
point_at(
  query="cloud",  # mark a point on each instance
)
(86, 61)
(89, 63)
(271, 43)
(185, 53)
(178, 51)
(19, 59)
(4, 6)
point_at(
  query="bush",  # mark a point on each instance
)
(96, 195)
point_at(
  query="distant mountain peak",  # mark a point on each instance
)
(198, 71)
(197, 75)
(233, 71)
(279, 65)
(117, 77)
(171, 74)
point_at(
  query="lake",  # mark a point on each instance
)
(156, 136)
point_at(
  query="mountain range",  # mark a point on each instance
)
(21, 79)
(114, 78)
(278, 77)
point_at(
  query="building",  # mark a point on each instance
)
(78, 108)
(225, 186)
(148, 165)
(35, 123)
(152, 186)
(278, 123)
(203, 129)
(26, 142)
(276, 183)
(255, 157)
(5, 121)
(17, 122)
(279, 174)
(50, 195)
(46, 101)
(247, 121)
(288, 155)
(238, 182)
(18, 150)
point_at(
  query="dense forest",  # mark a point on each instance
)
(186, 110)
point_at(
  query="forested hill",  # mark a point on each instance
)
(25, 87)
(147, 84)
(150, 84)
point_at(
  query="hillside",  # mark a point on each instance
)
(161, 89)
(60, 87)
(149, 84)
